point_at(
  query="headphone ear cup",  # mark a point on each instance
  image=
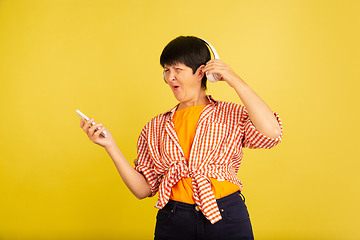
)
(213, 77)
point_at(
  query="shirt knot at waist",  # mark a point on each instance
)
(180, 169)
(203, 195)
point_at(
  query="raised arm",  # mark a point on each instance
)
(260, 114)
(134, 180)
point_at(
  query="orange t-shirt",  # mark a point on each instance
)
(185, 122)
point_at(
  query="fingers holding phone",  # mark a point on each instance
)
(96, 132)
(81, 115)
(93, 128)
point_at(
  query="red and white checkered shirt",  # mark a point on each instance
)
(223, 129)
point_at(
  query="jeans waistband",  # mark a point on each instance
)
(236, 196)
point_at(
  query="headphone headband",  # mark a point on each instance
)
(213, 77)
(216, 56)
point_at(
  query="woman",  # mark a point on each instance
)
(190, 154)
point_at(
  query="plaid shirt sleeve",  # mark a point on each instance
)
(146, 164)
(253, 138)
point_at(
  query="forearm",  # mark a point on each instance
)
(260, 114)
(134, 180)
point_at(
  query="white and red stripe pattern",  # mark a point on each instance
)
(223, 129)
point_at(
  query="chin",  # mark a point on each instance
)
(179, 98)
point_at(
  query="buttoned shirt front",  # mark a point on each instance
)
(223, 129)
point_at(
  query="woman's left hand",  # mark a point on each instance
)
(228, 75)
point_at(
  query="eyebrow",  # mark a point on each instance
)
(173, 65)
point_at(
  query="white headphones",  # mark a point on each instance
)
(213, 77)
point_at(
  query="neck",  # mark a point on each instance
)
(201, 99)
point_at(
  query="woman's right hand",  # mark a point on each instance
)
(134, 180)
(94, 131)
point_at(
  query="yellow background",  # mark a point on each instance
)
(102, 57)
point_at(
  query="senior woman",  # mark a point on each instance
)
(190, 155)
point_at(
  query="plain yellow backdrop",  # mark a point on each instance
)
(102, 57)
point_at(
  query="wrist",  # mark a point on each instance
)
(239, 84)
(111, 147)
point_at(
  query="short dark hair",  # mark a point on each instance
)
(188, 50)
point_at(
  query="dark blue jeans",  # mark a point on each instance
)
(182, 221)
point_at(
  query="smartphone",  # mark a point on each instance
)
(80, 114)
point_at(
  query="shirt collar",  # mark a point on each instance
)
(170, 113)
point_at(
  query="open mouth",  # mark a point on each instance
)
(175, 87)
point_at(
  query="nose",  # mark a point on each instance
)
(168, 76)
